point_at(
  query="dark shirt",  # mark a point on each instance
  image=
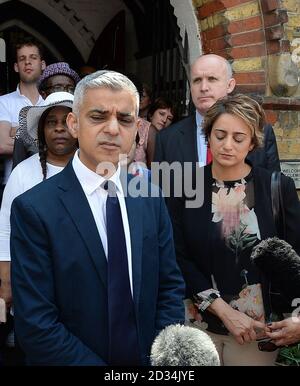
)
(234, 232)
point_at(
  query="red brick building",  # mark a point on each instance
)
(261, 38)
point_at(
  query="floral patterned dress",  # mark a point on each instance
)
(234, 232)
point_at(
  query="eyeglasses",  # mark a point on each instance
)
(267, 345)
(61, 87)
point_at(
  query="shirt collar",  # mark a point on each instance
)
(39, 102)
(91, 181)
(199, 119)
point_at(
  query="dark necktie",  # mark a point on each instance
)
(123, 341)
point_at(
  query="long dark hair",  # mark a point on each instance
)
(42, 142)
(42, 145)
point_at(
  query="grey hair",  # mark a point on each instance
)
(105, 79)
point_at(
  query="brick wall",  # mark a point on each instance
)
(262, 41)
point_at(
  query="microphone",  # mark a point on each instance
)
(179, 345)
(280, 264)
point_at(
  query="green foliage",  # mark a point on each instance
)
(289, 356)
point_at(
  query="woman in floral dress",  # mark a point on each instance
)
(214, 242)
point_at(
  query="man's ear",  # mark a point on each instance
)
(16, 68)
(43, 65)
(231, 85)
(72, 123)
(138, 123)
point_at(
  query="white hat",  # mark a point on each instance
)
(29, 116)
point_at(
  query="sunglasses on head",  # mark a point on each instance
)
(267, 345)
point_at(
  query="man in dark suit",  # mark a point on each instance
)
(94, 274)
(211, 79)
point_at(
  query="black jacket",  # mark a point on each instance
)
(192, 226)
(178, 142)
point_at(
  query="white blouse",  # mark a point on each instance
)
(23, 177)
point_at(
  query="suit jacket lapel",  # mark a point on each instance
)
(189, 142)
(76, 204)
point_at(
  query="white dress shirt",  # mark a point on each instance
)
(10, 106)
(96, 196)
(201, 141)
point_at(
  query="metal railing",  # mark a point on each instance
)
(170, 65)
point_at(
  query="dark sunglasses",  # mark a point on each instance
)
(267, 345)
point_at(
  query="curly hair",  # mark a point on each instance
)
(162, 103)
(28, 41)
(242, 106)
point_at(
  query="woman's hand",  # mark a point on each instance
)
(5, 293)
(241, 326)
(5, 287)
(285, 332)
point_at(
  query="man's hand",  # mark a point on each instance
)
(285, 332)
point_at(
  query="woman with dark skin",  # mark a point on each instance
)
(55, 78)
(46, 126)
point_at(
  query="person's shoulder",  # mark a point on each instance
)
(259, 171)
(264, 174)
(8, 97)
(143, 184)
(287, 181)
(144, 124)
(28, 171)
(269, 134)
(183, 124)
(268, 128)
(28, 163)
(38, 194)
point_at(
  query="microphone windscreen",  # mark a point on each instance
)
(280, 264)
(179, 345)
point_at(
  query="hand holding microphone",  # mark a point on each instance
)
(278, 261)
(280, 264)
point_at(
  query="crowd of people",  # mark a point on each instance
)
(91, 270)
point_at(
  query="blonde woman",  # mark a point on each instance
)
(214, 242)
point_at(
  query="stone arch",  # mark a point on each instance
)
(109, 49)
(25, 27)
(187, 23)
(35, 22)
(82, 21)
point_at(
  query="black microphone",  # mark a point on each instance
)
(280, 264)
(179, 345)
